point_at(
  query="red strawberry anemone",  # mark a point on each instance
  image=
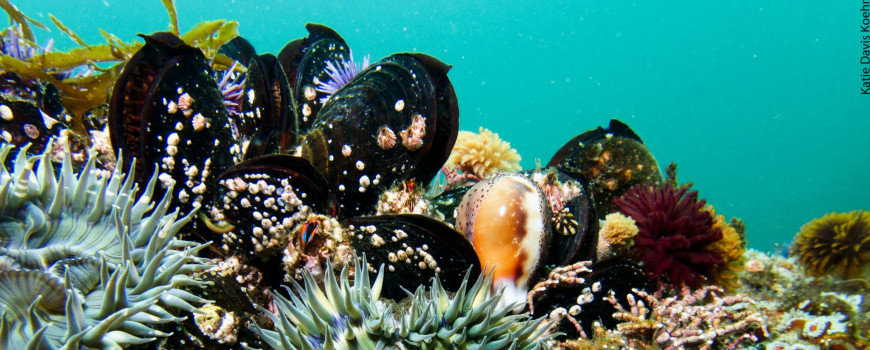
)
(674, 230)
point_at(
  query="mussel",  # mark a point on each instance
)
(612, 160)
(414, 249)
(167, 112)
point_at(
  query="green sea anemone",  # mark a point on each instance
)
(80, 263)
(837, 244)
(345, 316)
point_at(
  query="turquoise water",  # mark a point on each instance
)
(758, 103)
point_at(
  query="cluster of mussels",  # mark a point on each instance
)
(287, 162)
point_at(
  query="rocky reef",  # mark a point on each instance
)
(170, 200)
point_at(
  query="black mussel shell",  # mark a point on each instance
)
(239, 49)
(575, 226)
(396, 120)
(167, 112)
(311, 56)
(22, 122)
(266, 118)
(446, 203)
(259, 194)
(612, 160)
(618, 276)
(413, 249)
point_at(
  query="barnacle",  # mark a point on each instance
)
(83, 265)
(482, 154)
(837, 243)
(345, 316)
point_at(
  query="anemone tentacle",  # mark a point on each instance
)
(83, 266)
(345, 315)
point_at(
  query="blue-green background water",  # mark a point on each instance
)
(757, 101)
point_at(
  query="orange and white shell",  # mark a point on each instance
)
(507, 219)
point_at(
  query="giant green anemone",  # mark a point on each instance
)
(345, 316)
(81, 265)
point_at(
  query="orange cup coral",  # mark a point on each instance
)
(836, 244)
(482, 154)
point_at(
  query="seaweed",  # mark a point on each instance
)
(19, 17)
(81, 93)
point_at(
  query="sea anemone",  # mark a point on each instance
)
(674, 232)
(83, 265)
(836, 244)
(340, 74)
(345, 316)
(482, 154)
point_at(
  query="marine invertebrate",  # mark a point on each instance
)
(231, 84)
(616, 235)
(386, 138)
(403, 198)
(836, 244)
(168, 113)
(674, 231)
(612, 160)
(341, 72)
(80, 93)
(414, 249)
(85, 266)
(573, 296)
(345, 316)
(482, 154)
(688, 320)
(218, 324)
(731, 247)
(507, 219)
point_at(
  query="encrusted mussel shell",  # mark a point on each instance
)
(21, 122)
(618, 276)
(612, 160)
(414, 249)
(167, 112)
(575, 225)
(266, 197)
(396, 120)
(305, 61)
(266, 111)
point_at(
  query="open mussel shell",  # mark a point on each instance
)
(264, 197)
(266, 111)
(396, 120)
(413, 249)
(617, 276)
(306, 61)
(612, 160)
(168, 113)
